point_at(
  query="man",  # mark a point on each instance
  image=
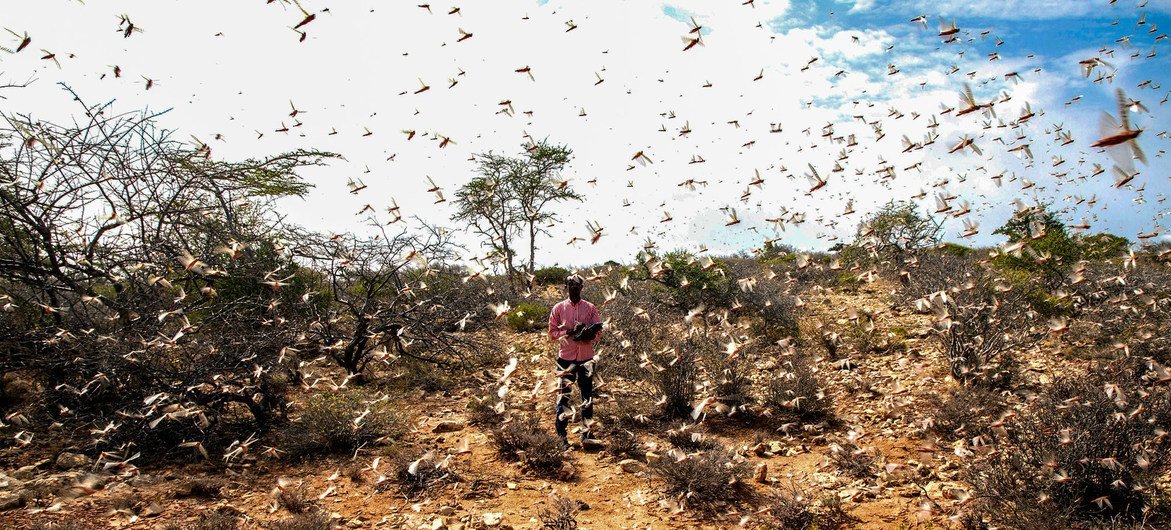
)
(575, 325)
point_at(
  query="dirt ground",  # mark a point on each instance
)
(879, 402)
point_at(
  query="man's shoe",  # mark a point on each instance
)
(563, 443)
(589, 442)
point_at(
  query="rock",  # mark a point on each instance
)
(438, 524)
(631, 465)
(583, 506)
(448, 426)
(566, 471)
(761, 474)
(69, 460)
(10, 500)
(492, 519)
(27, 472)
(446, 511)
(511, 485)
(10, 483)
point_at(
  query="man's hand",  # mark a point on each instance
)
(573, 334)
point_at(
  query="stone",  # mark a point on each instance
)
(69, 460)
(492, 519)
(438, 524)
(566, 471)
(761, 474)
(446, 511)
(10, 501)
(10, 483)
(631, 465)
(27, 472)
(448, 426)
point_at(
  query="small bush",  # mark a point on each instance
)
(791, 509)
(1089, 450)
(295, 499)
(528, 317)
(523, 439)
(550, 275)
(482, 407)
(421, 474)
(200, 488)
(690, 437)
(216, 521)
(622, 444)
(673, 375)
(704, 480)
(307, 521)
(794, 390)
(561, 514)
(965, 412)
(853, 461)
(329, 425)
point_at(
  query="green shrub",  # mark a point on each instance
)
(955, 249)
(528, 317)
(328, 421)
(551, 275)
(1103, 246)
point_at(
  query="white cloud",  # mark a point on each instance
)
(350, 71)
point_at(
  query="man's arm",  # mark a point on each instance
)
(555, 327)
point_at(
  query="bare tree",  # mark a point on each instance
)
(145, 279)
(380, 303)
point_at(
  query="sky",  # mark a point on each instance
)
(610, 79)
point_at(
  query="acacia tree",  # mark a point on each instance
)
(514, 194)
(898, 231)
(112, 285)
(487, 204)
(378, 298)
(538, 187)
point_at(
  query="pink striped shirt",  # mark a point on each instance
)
(562, 319)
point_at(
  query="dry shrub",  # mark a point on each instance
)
(690, 437)
(853, 461)
(319, 520)
(328, 421)
(622, 444)
(295, 499)
(216, 521)
(200, 488)
(523, 439)
(482, 406)
(673, 375)
(415, 475)
(795, 391)
(791, 509)
(732, 378)
(1090, 450)
(561, 514)
(964, 412)
(705, 480)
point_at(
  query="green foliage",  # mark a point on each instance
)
(898, 230)
(1103, 246)
(690, 281)
(528, 317)
(551, 275)
(329, 421)
(955, 249)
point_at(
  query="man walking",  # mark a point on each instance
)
(575, 325)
